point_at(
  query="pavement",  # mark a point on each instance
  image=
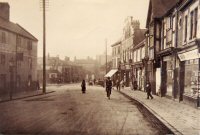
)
(179, 117)
(23, 94)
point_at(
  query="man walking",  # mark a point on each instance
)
(148, 90)
(118, 85)
(108, 87)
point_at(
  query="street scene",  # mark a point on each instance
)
(99, 67)
(68, 111)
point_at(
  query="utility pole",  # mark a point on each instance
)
(44, 45)
(106, 54)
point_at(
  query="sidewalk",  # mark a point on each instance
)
(179, 117)
(22, 94)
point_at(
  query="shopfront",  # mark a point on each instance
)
(191, 83)
(140, 78)
(168, 62)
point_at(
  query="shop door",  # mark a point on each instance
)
(176, 83)
(158, 79)
(181, 80)
(164, 78)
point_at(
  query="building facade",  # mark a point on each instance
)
(18, 55)
(173, 49)
(127, 42)
(138, 68)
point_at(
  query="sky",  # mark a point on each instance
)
(77, 27)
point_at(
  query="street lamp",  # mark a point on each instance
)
(11, 68)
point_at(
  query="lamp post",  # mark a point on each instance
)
(11, 67)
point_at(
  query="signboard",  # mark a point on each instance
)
(198, 92)
(194, 54)
(127, 66)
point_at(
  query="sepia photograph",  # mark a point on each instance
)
(99, 67)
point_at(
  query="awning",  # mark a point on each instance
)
(194, 54)
(111, 73)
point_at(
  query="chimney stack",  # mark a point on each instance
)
(5, 11)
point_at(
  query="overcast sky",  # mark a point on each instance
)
(77, 27)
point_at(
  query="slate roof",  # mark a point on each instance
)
(139, 36)
(15, 28)
(159, 8)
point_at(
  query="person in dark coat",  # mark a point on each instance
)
(108, 87)
(148, 90)
(83, 86)
(118, 85)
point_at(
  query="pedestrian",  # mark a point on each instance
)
(122, 83)
(148, 90)
(83, 86)
(38, 85)
(118, 85)
(108, 87)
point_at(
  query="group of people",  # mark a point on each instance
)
(109, 86)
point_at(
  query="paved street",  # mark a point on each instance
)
(68, 111)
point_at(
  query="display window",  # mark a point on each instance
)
(191, 84)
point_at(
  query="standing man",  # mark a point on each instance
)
(148, 90)
(108, 87)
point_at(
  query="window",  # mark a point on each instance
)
(119, 50)
(3, 59)
(2, 81)
(174, 23)
(191, 24)
(3, 38)
(18, 41)
(29, 45)
(157, 30)
(195, 22)
(186, 22)
(30, 63)
(20, 56)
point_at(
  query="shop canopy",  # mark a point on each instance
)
(111, 73)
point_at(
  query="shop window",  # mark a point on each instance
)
(191, 80)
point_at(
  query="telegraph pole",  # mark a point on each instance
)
(44, 45)
(106, 54)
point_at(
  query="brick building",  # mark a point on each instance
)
(18, 54)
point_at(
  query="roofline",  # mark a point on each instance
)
(185, 4)
(34, 38)
(148, 14)
(139, 44)
(16, 33)
(116, 43)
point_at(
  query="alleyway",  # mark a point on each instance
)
(68, 111)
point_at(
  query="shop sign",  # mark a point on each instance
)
(122, 67)
(127, 66)
(194, 54)
(167, 58)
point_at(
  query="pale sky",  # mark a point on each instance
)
(77, 27)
